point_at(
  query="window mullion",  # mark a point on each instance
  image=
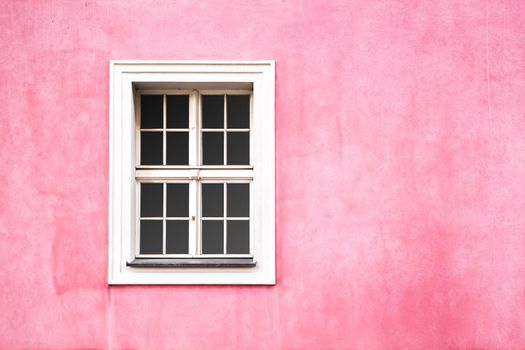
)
(164, 204)
(194, 218)
(194, 149)
(164, 129)
(225, 195)
(224, 133)
(193, 129)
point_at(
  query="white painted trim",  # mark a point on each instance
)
(181, 174)
(122, 204)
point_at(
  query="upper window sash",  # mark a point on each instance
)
(196, 130)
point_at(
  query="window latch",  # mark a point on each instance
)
(195, 174)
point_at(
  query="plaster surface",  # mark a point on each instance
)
(400, 136)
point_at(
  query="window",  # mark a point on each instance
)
(217, 223)
(192, 198)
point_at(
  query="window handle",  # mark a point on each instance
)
(195, 174)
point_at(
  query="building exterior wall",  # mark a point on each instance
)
(400, 137)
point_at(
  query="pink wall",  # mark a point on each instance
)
(400, 175)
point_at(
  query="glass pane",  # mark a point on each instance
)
(213, 111)
(212, 148)
(238, 148)
(212, 237)
(151, 110)
(238, 107)
(212, 200)
(151, 236)
(177, 111)
(238, 200)
(177, 200)
(151, 148)
(177, 148)
(151, 200)
(238, 239)
(177, 236)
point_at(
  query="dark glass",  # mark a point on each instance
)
(238, 150)
(212, 237)
(177, 201)
(212, 200)
(238, 200)
(177, 111)
(151, 111)
(238, 237)
(238, 115)
(151, 200)
(151, 148)
(213, 148)
(151, 236)
(177, 237)
(213, 111)
(177, 148)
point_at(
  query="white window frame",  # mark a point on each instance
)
(126, 77)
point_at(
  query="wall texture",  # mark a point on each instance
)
(400, 175)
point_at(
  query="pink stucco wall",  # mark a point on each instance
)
(400, 175)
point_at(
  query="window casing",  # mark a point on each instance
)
(231, 243)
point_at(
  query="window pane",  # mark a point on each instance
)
(177, 148)
(151, 236)
(212, 148)
(238, 239)
(177, 111)
(177, 236)
(213, 111)
(151, 148)
(212, 200)
(178, 200)
(151, 200)
(151, 110)
(238, 148)
(238, 200)
(212, 237)
(238, 107)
